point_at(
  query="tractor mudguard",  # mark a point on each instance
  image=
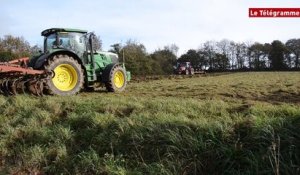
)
(33, 60)
(43, 58)
(106, 72)
(40, 61)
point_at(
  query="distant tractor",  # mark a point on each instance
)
(186, 68)
(68, 64)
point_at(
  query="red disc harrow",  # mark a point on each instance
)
(16, 77)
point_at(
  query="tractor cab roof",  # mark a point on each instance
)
(47, 32)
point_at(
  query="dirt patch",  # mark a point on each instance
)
(280, 97)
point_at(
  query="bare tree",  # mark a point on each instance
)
(224, 49)
(173, 48)
(209, 52)
(248, 54)
(240, 54)
(97, 44)
(232, 54)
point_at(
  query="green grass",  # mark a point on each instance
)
(243, 123)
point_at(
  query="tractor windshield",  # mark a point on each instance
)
(182, 64)
(64, 40)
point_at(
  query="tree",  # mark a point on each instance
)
(35, 50)
(220, 62)
(6, 56)
(293, 48)
(266, 57)
(209, 53)
(13, 47)
(116, 48)
(232, 54)
(240, 54)
(191, 56)
(258, 53)
(137, 60)
(277, 55)
(223, 47)
(164, 59)
(248, 54)
(172, 48)
(97, 44)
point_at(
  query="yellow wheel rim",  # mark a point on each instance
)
(119, 79)
(65, 77)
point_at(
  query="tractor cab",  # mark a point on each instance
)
(69, 39)
(184, 64)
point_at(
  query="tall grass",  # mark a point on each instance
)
(158, 127)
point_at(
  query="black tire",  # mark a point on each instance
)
(71, 63)
(110, 85)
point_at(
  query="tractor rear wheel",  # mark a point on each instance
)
(117, 79)
(67, 77)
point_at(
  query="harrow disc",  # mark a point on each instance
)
(14, 86)
(35, 87)
(8, 86)
(40, 88)
(3, 87)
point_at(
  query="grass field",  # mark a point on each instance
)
(241, 123)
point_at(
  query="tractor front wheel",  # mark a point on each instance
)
(117, 79)
(67, 77)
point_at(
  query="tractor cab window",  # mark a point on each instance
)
(64, 40)
(182, 64)
(50, 42)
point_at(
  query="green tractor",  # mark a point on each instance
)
(72, 64)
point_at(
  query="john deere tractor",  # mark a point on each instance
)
(68, 64)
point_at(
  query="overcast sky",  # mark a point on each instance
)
(155, 23)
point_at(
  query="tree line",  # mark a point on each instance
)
(224, 55)
(140, 62)
(15, 47)
(228, 55)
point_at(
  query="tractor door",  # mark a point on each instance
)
(89, 58)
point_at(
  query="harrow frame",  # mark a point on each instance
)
(16, 77)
